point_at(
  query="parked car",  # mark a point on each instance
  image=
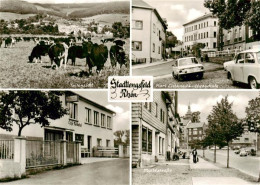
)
(243, 153)
(237, 151)
(228, 63)
(187, 67)
(245, 68)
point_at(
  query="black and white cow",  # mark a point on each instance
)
(58, 54)
(117, 53)
(39, 51)
(76, 52)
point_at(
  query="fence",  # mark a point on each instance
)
(40, 153)
(72, 152)
(6, 149)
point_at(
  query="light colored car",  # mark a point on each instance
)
(243, 153)
(245, 68)
(228, 63)
(237, 151)
(187, 67)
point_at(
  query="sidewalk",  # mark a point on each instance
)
(138, 66)
(211, 175)
(95, 159)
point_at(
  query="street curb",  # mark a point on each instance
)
(149, 65)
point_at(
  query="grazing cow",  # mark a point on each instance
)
(9, 42)
(38, 51)
(58, 54)
(117, 53)
(96, 55)
(76, 52)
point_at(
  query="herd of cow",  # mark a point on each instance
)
(63, 49)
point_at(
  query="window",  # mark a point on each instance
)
(195, 132)
(159, 50)
(204, 25)
(156, 110)
(214, 44)
(137, 24)
(207, 34)
(162, 146)
(204, 35)
(108, 143)
(215, 34)
(144, 139)
(215, 23)
(249, 58)
(109, 124)
(88, 115)
(103, 120)
(236, 33)
(96, 118)
(246, 139)
(240, 32)
(162, 116)
(240, 58)
(154, 28)
(207, 24)
(153, 47)
(250, 33)
(150, 140)
(199, 26)
(146, 105)
(228, 35)
(80, 137)
(150, 106)
(74, 111)
(160, 151)
(99, 142)
(137, 46)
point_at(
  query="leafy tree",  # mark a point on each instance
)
(253, 117)
(119, 137)
(233, 13)
(196, 49)
(29, 107)
(195, 117)
(127, 135)
(171, 39)
(226, 123)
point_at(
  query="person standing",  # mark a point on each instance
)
(194, 153)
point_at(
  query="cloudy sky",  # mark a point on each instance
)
(70, 1)
(178, 12)
(203, 101)
(121, 120)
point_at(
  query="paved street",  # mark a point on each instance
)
(215, 77)
(107, 172)
(249, 164)
(185, 172)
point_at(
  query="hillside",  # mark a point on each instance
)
(64, 10)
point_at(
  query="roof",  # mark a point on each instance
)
(199, 18)
(196, 125)
(144, 5)
(94, 103)
(185, 121)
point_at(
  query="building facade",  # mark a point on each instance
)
(148, 33)
(239, 38)
(201, 30)
(195, 132)
(184, 122)
(152, 131)
(87, 121)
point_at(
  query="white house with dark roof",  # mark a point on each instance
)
(87, 121)
(148, 33)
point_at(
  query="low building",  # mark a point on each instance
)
(148, 33)
(150, 130)
(204, 30)
(87, 122)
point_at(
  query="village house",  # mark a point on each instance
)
(153, 133)
(87, 122)
(148, 33)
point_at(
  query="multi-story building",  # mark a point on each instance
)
(153, 131)
(239, 38)
(195, 132)
(87, 121)
(148, 33)
(204, 30)
(184, 121)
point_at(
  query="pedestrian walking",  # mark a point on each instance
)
(194, 153)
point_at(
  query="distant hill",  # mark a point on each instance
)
(65, 10)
